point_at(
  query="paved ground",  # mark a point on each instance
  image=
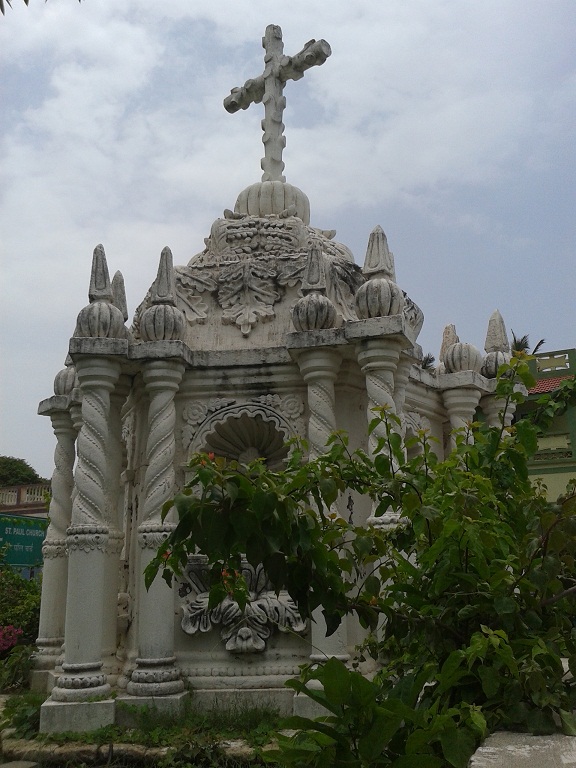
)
(520, 750)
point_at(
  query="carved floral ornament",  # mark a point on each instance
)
(241, 631)
(250, 261)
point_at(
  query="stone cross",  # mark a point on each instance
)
(268, 87)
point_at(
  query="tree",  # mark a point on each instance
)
(521, 344)
(469, 599)
(17, 472)
(427, 362)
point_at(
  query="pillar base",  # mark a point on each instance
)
(77, 716)
(128, 708)
(155, 677)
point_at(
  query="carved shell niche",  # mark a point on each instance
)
(244, 438)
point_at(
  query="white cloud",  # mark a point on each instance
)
(446, 122)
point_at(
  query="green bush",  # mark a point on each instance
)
(472, 592)
(23, 714)
(19, 602)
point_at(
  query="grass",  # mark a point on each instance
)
(193, 738)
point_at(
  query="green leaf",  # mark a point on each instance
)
(335, 677)
(383, 728)
(364, 693)
(527, 435)
(505, 605)
(382, 465)
(568, 720)
(329, 490)
(458, 746)
(490, 679)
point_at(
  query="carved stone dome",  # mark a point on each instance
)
(100, 319)
(379, 297)
(313, 312)
(492, 362)
(273, 197)
(161, 322)
(462, 357)
(65, 381)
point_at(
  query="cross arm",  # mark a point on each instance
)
(314, 53)
(250, 93)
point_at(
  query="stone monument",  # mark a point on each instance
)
(271, 331)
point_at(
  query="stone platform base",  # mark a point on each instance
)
(521, 750)
(77, 716)
(42, 680)
(172, 705)
(278, 699)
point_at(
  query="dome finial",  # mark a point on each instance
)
(100, 287)
(119, 294)
(314, 311)
(496, 337)
(163, 321)
(379, 261)
(101, 318)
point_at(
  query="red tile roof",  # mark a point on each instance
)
(547, 385)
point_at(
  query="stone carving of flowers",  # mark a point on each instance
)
(195, 412)
(292, 406)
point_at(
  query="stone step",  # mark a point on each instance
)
(522, 750)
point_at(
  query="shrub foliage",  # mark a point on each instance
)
(468, 602)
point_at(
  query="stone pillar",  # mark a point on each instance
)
(493, 409)
(405, 362)
(114, 493)
(87, 539)
(156, 673)
(460, 403)
(55, 573)
(378, 359)
(319, 368)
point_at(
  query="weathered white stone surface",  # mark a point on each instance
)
(521, 750)
(271, 331)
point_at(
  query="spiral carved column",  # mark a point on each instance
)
(87, 539)
(55, 573)
(114, 492)
(319, 368)
(400, 385)
(378, 360)
(156, 673)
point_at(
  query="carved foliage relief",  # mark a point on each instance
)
(248, 263)
(241, 631)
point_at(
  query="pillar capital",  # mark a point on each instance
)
(323, 363)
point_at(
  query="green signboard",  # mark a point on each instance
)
(23, 536)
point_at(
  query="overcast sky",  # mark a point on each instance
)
(448, 122)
